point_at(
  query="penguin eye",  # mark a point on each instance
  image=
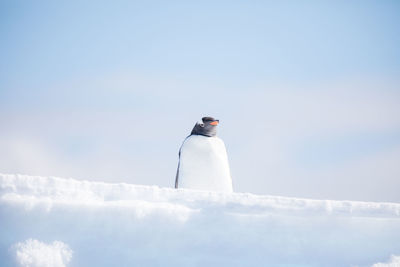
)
(201, 124)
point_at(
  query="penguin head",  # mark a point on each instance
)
(207, 127)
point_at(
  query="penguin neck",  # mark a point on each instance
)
(214, 135)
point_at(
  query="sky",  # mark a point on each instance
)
(307, 92)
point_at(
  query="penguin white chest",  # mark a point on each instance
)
(204, 164)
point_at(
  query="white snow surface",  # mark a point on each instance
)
(204, 164)
(394, 262)
(132, 225)
(33, 253)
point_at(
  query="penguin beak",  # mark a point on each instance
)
(215, 123)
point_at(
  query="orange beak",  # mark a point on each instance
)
(215, 123)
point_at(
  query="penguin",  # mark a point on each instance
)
(203, 161)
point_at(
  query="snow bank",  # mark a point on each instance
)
(130, 225)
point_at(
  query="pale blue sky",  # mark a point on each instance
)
(307, 92)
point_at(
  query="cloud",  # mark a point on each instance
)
(33, 253)
(394, 262)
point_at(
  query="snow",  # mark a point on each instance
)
(131, 225)
(394, 262)
(33, 253)
(204, 164)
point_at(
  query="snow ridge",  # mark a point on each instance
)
(133, 225)
(57, 190)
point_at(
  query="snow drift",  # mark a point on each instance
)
(130, 225)
(394, 262)
(33, 253)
